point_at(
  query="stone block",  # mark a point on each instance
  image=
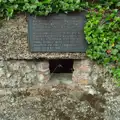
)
(1, 72)
(82, 65)
(82, 71)
(43, 71)
(15, 73)
(1, 64)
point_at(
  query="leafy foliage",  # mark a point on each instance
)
(39, 7)
(103, 35)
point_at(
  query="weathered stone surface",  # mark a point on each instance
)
(1, 72)
(58, 103)
(88, 72)
(95, 98)
(20, 73)
(61, 103)
(43, 71)
(82, 71)
(99, 100)
(14, 45)
(23, 73)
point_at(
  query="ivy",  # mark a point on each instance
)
(39, 7)
(44, 7)
(102, 32)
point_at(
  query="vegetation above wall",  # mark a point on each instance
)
(102, 29)
(44, 7)
(39, 7)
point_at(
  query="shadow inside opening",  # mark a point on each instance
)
(61, 66)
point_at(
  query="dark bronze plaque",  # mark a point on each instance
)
(57, 33)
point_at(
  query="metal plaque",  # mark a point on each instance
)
(57, 33)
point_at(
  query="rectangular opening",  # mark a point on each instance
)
(61, 71)
(61, 66)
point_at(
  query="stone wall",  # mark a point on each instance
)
(19, 67)
(21, 73)
(14, 42)
(17, 63)
(94, 97)
(26, 73)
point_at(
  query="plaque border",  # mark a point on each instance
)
(30, 42)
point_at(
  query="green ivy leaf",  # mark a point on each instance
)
(114, 52)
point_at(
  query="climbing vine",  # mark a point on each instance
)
(39, 7)
(102, 29)
(102, 32)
